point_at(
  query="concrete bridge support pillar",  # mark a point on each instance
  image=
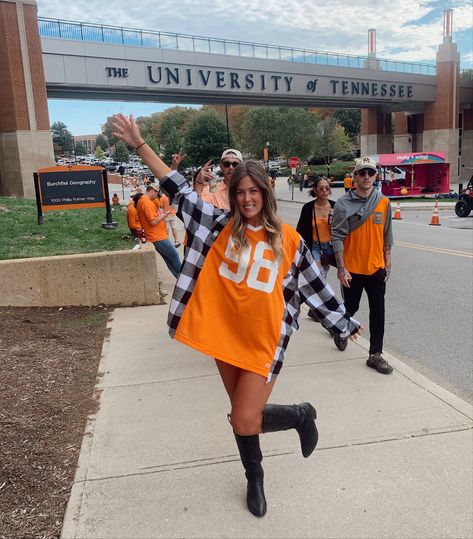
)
(441, 129)
(25, 136)
(402, 133)
(376, 136)
(466, 171)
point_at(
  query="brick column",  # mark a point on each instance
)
(376, 136)
(441, 117)
(402, 136)
(466, 171)
(25, 136)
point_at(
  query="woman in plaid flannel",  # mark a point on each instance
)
(237, 299)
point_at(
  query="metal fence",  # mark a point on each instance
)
(114, 35)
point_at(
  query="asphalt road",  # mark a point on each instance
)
(429, 300)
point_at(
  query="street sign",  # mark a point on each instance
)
(294, 162)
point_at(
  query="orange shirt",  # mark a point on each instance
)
(324, 230)
(363, 248)
(246, 290)
(219, 199)
(132, 217)
(347, 182)
(146, 212)
(164, 205)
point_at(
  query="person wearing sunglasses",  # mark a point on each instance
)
(228, 162)
(362, 239)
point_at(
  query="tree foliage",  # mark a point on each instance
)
(331, 141)
(101, 141)
(99, 153)
(80, 149)
(350, 120)
(121, 152)
(62, 137)
(205, 138)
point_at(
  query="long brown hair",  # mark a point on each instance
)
(269, 217)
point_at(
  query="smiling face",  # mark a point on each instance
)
(249, 200)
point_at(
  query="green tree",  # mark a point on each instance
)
(107, 131)
(350, 120)
(298, 132)
(121, 152)
(99, 153)
(331, 141)
(467, 74)
(101, 141)
(62, 137)
(205, 138)
(262, 125)
(80, 149)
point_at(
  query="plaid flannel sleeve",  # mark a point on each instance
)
(314, 290)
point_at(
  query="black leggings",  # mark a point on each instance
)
(375, 290)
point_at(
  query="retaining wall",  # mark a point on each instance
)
(123, 278)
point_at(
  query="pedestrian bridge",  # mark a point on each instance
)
(90, 61)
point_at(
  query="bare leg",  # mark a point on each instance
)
(249, 398)
(229, 375)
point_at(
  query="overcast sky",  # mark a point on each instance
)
(405, 30)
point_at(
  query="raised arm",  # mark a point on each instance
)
(127, 130)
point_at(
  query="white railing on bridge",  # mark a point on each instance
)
(115, 35)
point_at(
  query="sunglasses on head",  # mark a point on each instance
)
(363, 171)
(227, 164)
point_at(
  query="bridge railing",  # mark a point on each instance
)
(114, 35)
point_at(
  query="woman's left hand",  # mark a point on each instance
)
(360, 332)
(127, 130)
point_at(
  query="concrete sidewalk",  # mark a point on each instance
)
(159, 459)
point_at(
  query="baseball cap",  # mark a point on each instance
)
(154, 186)
(365, 162)
(232, 153)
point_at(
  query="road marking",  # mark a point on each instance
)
(440, 250)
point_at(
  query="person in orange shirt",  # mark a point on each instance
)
(347, 182)
(237, 299)
(132, 220)
(153, 222)
(362, 239)
(229, 160)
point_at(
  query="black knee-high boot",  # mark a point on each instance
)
(296, 416)
(251, 457)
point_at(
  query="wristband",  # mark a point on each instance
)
(142, 144)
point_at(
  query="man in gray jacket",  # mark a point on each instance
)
(362, 239)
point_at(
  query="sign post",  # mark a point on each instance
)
(293, 163)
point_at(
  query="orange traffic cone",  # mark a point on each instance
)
(435, 216)
(397, 213)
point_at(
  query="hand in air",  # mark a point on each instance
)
(205, 175)
(127, 130)
(177, 159)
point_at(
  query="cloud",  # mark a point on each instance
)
(406, 30)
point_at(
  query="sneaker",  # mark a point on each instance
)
(377, 362)
(340, 343)
(177, 244)
(311, 314)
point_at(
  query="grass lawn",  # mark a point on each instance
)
(63, 232)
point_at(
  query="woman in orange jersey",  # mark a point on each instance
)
(243, 279)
